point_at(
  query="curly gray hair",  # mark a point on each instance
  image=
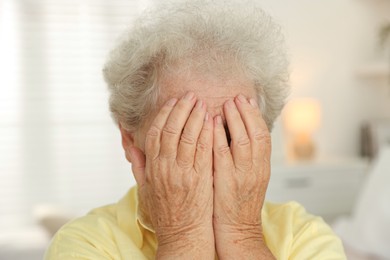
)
(206, 35)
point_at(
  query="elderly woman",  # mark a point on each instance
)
(195, 88)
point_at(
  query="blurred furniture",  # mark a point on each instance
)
(374, 70)
(375, 134)
(24, 243)
(327, 188)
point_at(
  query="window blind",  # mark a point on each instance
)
(58, 143)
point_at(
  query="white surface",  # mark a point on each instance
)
(368, 230)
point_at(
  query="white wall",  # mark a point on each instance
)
(328, 41)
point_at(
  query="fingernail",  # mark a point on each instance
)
(172, 102)
(199, 104)
(253, 102)
(189, 96)
(219, 120)
(206, 117)
(242, 99)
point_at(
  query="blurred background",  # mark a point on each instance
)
(61, 154)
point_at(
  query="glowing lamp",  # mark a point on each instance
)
(301, 119)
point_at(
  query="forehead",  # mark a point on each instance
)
(214, 90)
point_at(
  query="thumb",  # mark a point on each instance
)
(138, 165)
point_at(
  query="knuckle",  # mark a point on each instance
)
(203, 146)
(187, 138)
(184, 163)
(243, 141)
(170, 130)
(244, 166)
(223, 150)
(262, 135)
(202, 166)
(168, 154)
(154, 131)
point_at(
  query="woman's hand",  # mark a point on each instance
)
(175, 179)
(241, 176)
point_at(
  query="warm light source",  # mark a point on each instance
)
(301, 118)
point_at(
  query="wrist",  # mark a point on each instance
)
(239, 232)
(186, 243)
(244, 241)
(245, 250)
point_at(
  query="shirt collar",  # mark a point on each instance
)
(129, 218)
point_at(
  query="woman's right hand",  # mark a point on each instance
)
(175, 179)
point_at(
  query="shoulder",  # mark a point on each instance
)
(292, 233)
(88, 237)
(290, 214)
(98, 235)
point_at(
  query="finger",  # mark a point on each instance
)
(204, 147)
(138, 165)
(189, 138)
(240, 142)
(153, 136)
(256, 128)
(222, 157)
(174, 126)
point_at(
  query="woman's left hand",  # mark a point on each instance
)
(241, 176)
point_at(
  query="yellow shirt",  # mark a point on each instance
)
(115, 232)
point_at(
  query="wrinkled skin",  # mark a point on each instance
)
(200, 192)
(241, 173)
(175, 175)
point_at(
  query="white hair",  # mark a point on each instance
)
(208, 35)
